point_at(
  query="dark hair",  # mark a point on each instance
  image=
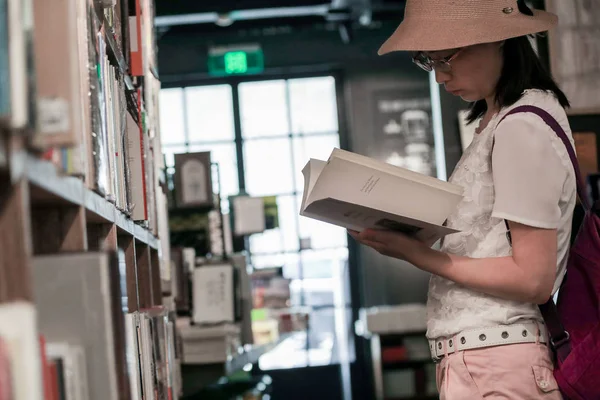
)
(522, 70)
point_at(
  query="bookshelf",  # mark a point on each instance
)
(82, 208)
(34, 191)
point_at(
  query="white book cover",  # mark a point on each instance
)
(132, 321)
(171, 361)
(75, 371)
(110, 127)
(20, 21)
(18, 331)
(357, 193)
(80, 159)
(249, 215)
(162, 219)
(213, 294)
(108, 73)
(73, 296)
(147, 358)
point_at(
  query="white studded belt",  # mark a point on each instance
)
(529, 332)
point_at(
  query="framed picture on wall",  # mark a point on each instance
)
(193, 180)
(403, 129)
(575, 52)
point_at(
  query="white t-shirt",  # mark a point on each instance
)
(529, 179)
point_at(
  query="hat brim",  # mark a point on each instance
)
(433, 35)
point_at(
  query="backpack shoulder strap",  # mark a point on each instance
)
(559, 338)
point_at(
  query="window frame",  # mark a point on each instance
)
(354, 289)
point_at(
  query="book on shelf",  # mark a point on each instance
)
(109, 79)
(49, 378)
(78, 303)
(17, 66)
(21, 347)
(132, 322)
(151, 183)
(98, 157)
(142, 39)
(162, 224)
(147, 357)
(3, 151)
(173, 371)
(214, 294)
(120, 152)
(159, 319)
(357, 192)
(149, 354)
(113, 15)
(182, 261)
(69, 363)
(136, 146)
(80, 154)
(59, 106)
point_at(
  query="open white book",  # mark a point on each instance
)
(358, 192)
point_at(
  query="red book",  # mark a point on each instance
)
(48, 395)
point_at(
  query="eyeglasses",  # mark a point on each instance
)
(442, 65)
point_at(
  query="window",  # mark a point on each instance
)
(209, 113)
(268, 166)
(200, 118)
(263, 107)
(172, 124)
(313, 105)
(283, 123)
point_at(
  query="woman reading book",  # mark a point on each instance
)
(484, 326)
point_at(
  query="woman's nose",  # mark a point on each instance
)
(441, 77)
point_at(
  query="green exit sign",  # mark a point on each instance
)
(237, 60)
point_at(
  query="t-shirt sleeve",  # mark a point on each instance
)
(528, 173)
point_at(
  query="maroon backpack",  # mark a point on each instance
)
(574, 322)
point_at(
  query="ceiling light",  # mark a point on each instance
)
(224, 20)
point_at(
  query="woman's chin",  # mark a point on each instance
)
(466, 97)
(470, 97)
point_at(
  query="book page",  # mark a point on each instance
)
(369, 187)
(359, 218)
(311, 171)
(396, 171)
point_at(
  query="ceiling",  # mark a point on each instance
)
(174, 7)
(232, 13)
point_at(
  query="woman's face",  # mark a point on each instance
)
(474, 73)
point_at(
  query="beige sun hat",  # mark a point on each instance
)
(431, 25)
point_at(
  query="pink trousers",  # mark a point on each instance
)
(510, 372)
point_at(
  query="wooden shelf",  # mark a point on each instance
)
(50, 188)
